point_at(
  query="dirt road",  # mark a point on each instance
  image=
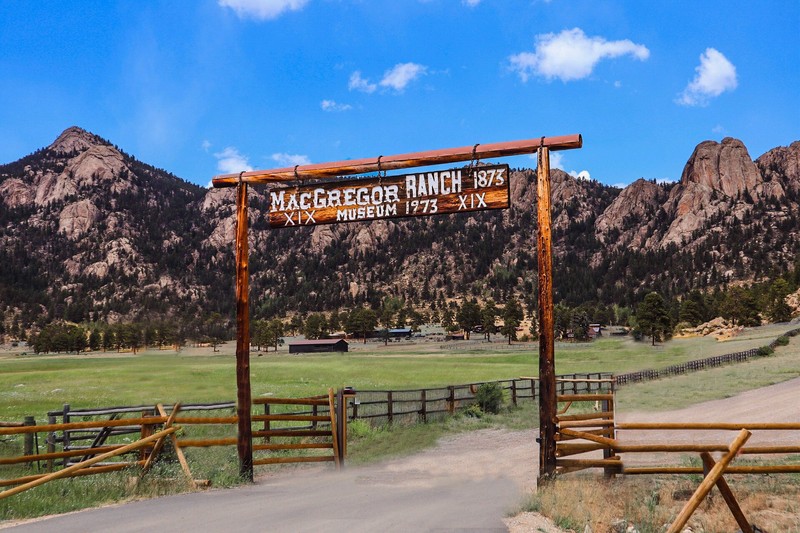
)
(468, 482)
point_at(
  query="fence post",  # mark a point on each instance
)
(28, 445)
(65, 442)
(314, 413)
(451, 399)
(389, 407)
(51, 441)
(534, 396)
(608, 453)
(424, 411)
(514, 392)
(268, 424)
(341, 426)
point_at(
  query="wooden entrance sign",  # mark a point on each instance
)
(336, 170)
(456, 190)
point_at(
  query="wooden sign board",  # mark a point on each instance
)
(456, 190)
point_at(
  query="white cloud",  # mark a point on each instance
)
(206, 144)
(471, 3)
(290, 160)
(715, 75)
(556, 160)
(262, 9)
(332, 105)
(230, 161)
(582, 175)
(719, 128)
(664, 181)
(571, 55)
(357, 83)
(399, 76)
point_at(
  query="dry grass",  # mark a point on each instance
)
(650, 502)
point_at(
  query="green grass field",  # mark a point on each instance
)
(31, 385)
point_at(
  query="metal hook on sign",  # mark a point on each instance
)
(474, 161)
(240, 176)
(296, 177)
(381, 173)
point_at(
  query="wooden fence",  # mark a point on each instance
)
(698, 364)
(294, 430)
(422, 405)
(591, 429)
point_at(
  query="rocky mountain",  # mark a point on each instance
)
(90, 233)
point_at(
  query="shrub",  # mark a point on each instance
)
(489, 397)
(358, 428)
(473, 411)
(783, 340)
(765, 350)
(792, 333)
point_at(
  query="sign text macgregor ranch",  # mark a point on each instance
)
(425, 193)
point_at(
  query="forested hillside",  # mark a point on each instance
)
(90, 234)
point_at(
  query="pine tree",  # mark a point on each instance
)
(512, 318)
(469, 316)
(488, 316)
(653, 319)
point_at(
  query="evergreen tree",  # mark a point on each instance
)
(275, 333)
(316, 326)
(362, 320)
(469, 316)
(448, 322)
(740, 306)
(579, 324)
(95, 339)
(512, 318)
(777, 308)
(653, 319)
(562, 319)
(488, 316)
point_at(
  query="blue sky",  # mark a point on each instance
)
(210, 86)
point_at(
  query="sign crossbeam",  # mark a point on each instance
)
(401, 161)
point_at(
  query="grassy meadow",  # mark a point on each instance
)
(31, 385)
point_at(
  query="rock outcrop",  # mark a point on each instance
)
(625, 222)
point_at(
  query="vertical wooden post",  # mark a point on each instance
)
(66, 444)
(389, 407)
(268, 424)
(243, 399)
(28, 439)
(547, 375)
(514, 392)
(341, 424)
(607, 406)
(51, 441)
(451, 399)
(423, 412)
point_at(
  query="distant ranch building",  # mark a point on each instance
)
(319, 345)
(400, 333)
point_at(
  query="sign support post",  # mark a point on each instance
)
(547, 375)
(244, 444)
